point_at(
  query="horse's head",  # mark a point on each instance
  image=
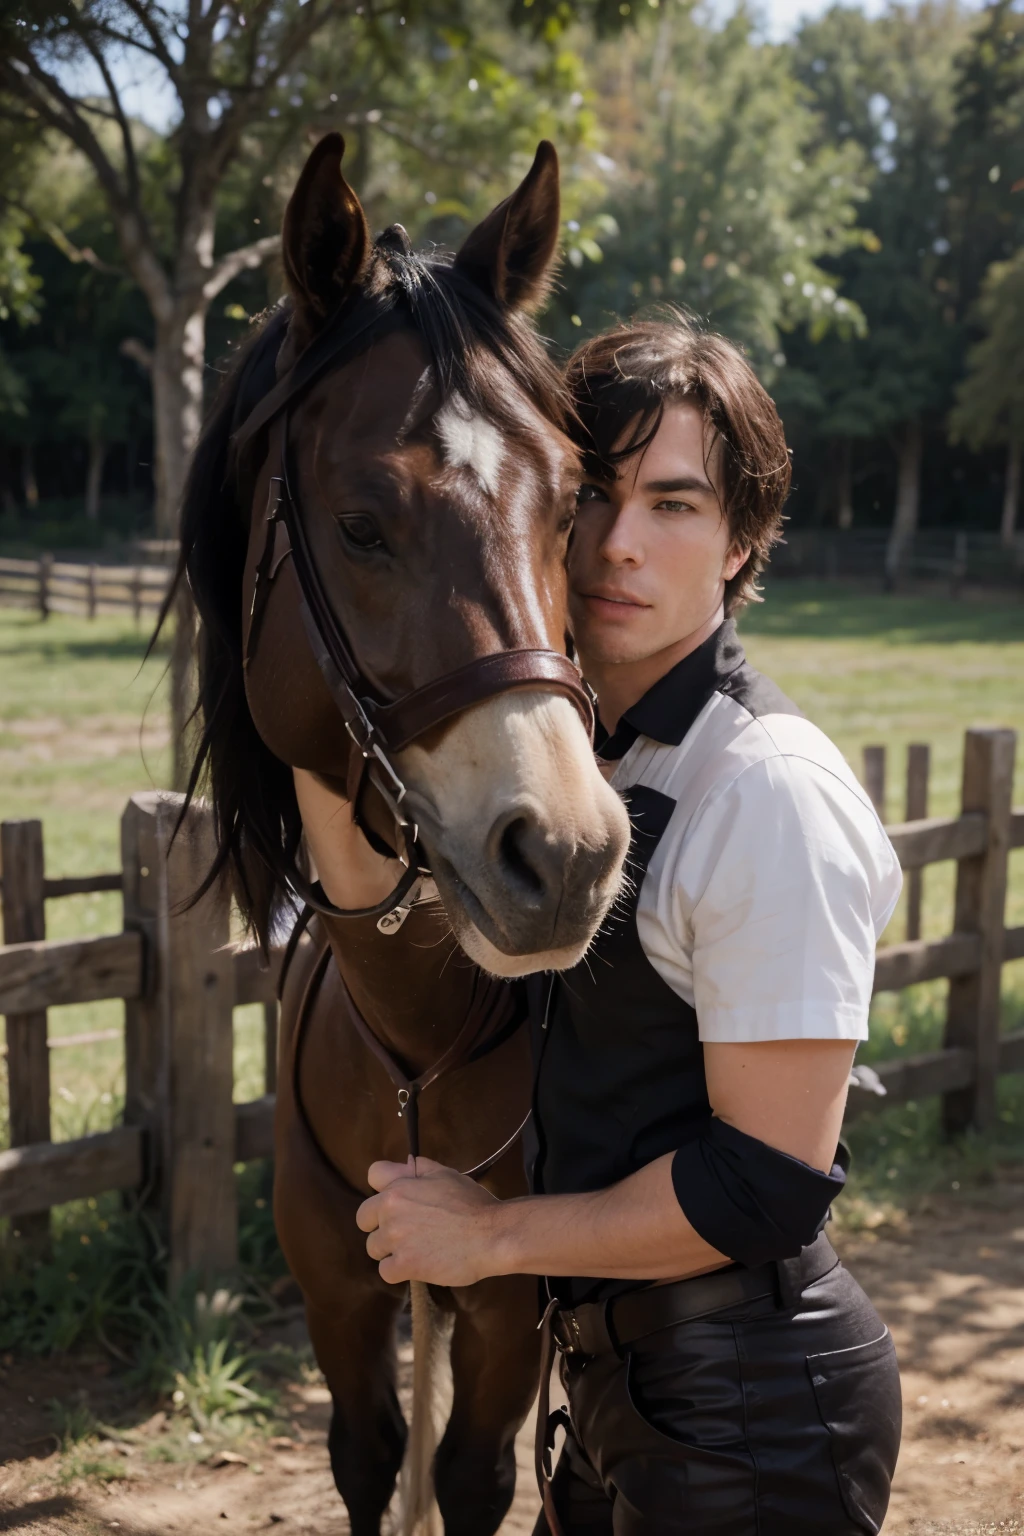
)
(436, 488)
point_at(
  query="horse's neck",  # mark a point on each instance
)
(414, 987)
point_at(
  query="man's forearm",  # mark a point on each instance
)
(633, 1231)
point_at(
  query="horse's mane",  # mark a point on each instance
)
(256, 815)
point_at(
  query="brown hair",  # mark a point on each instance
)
(621, 383)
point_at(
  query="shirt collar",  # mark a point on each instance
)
(671, 705)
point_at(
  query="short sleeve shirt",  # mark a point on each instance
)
(773, 880)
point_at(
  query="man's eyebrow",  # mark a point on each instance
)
(683, 483)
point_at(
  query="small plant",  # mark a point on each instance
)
(73, 1421)
(77, 1432)
(215, 1386)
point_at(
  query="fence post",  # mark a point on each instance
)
(45, 573)
(178, 1038)
(874, 778)
(972, 1019)
(28, 1057)
(136, 585)
(90, 592)
(918, 771)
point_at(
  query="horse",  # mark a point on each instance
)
(374, 533)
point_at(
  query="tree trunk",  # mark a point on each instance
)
(908, 498)
(1011, 494)
(94, 477)
(178, 362)
(844, 510)
(29, 483)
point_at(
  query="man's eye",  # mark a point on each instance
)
(588, 493)
(673, 506)
(360, 531)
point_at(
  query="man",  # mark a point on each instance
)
(724, 1372)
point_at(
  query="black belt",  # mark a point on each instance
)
(595, 1327)
(600, 1327)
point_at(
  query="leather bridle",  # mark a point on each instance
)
(378, 728)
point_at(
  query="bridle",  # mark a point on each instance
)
(378, 729)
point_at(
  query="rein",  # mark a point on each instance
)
(377, 728)
(485, 1029)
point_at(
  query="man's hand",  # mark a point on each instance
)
(428, 1223)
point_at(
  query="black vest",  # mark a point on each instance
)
(619, 1067)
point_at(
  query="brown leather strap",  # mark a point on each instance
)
(480, 1016)
(501, 672)
(479, 1023)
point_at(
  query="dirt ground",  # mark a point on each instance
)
(949, 1281)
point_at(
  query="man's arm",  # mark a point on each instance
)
(442, 1228)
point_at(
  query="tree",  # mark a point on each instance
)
(724, 201)
(990, 400)
(19, 284)
(986, 210)
(889, 84)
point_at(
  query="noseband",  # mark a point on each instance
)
(378, 728)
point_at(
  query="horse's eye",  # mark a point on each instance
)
(360, 531)
(566, 521)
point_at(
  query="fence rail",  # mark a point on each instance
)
(58, 586)
(180, 981)
(953, 558)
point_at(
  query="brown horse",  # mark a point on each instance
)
(375, 533)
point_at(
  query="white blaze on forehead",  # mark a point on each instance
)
(470, 441)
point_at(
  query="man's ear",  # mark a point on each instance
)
(735, 559)
(325, 239)
(511, 254)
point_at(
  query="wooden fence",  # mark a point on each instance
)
(947, 558)
(182, 1134)
(57, 586)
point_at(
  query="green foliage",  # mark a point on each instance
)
(725, 201)
(214, 1385)
(986, 209)
(442, 115)
(97, 1284)
(990, 399)
(888, 86)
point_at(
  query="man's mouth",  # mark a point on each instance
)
(603, 601)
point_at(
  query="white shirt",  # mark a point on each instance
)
(769, 888)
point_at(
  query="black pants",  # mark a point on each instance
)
(755, 1421)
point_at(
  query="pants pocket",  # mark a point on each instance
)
(858, 1396)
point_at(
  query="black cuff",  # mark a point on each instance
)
(749, 1201)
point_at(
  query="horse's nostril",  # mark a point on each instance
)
(515, 853)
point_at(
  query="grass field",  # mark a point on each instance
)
(83, 725)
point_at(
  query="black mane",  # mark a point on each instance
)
(256, 815)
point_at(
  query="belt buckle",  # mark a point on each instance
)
(566, 1321)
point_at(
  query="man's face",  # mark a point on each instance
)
(651, 554)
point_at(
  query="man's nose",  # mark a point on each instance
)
(621, 544)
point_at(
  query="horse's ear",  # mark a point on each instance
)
(325, 239)
(511, 254)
